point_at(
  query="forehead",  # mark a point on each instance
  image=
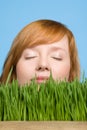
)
(62, 44)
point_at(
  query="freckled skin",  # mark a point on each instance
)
(42, 60)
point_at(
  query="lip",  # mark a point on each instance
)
(41, 79)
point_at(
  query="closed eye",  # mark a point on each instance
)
(30, 57)
(56, 58)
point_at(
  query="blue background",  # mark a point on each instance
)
(15, 14)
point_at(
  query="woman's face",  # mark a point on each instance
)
(41, 61)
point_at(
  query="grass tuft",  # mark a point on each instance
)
(50, 101)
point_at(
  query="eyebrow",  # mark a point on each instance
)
(55, 48)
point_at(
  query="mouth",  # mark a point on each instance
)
(41, 79)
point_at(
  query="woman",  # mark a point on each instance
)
(41, 48)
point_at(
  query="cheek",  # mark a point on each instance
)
(24, 72)
(24, 68)
(61, 71)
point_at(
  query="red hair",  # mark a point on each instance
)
(40, 32)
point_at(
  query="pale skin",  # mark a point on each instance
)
(41, 61)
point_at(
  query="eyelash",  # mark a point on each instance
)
(30, 57)
(57, 58)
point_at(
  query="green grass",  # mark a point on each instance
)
(51, 101)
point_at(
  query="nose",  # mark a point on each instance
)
(43, 65)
